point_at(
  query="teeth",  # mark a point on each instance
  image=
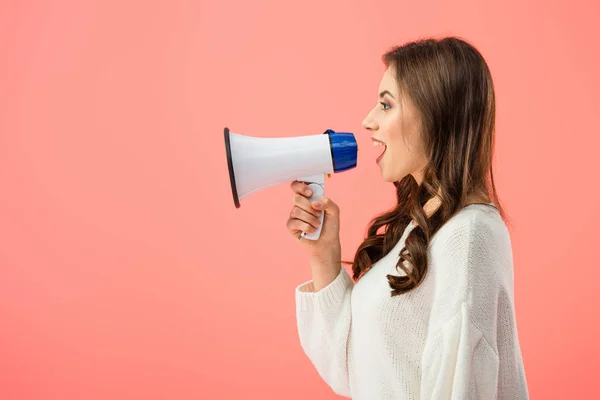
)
(378, 144)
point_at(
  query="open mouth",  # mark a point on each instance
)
(379, 143)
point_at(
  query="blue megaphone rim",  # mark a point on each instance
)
(343, 148)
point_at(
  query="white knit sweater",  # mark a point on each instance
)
(453, 337)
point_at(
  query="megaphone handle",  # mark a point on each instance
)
(318, 191)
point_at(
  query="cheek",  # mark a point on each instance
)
(401, 160)
(405, 143)
(399, 151)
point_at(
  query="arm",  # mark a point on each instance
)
(459, 362)
(472, 350)
(323, 320)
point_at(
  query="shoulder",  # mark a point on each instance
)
(473, 248)
(477, 222)
(474, 230)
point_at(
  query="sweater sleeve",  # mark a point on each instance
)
(471, 350)
(459, 363)
(323, 320)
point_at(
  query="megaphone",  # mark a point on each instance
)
(256, 163)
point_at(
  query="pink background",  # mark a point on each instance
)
(125, 270)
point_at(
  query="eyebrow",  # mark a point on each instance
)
(384, 93)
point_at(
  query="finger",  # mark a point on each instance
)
(304, 216)
(304, 204)
(325, 204)
(295, 226)
(301, 188)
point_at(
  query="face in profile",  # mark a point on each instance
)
(394, 125)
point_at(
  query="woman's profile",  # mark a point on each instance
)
(429, 310)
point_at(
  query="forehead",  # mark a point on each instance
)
(388, 82)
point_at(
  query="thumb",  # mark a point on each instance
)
(326, 205)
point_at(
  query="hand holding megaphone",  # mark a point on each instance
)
(257, 163)
(312, 213)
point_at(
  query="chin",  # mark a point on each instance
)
(391, 176)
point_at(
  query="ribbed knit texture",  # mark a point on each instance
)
(453, 337)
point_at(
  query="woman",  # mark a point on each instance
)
(429, 312)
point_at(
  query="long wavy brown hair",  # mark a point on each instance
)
(451, 86)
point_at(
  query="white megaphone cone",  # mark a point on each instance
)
(257, 163)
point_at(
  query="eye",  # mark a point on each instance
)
(384, 105)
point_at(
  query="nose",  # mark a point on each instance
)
(369, 123)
